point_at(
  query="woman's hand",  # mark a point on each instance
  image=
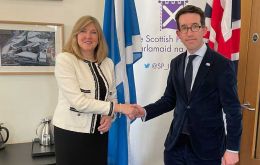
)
(131, 110)
(105, 124)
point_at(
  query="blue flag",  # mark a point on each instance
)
(122, 34)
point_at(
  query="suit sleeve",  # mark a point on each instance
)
(167, 102)
(227, 85)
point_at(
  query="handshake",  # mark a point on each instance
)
(132, 111)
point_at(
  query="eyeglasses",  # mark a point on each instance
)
(194, 28)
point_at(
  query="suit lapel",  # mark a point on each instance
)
(181, 76)
(204, 67)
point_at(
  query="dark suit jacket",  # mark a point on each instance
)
(214, 89)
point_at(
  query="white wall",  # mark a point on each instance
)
(26, 99)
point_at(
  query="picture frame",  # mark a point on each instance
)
(29, 47)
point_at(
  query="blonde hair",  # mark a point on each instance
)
(100, 52)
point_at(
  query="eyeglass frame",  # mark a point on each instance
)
(192, 30)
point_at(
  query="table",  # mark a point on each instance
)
(20, 154)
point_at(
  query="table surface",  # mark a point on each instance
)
(20, 154)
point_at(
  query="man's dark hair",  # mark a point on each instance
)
(190, 9)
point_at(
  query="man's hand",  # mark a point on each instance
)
(140, 112)
(230, 158)
(132, 111)
(129, 110)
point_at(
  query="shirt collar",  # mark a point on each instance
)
(201, 52)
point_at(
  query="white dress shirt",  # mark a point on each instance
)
(196, 62)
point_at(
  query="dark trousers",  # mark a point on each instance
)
(183, 154)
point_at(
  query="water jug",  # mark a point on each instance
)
(45, 132)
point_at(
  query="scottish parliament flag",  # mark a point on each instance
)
(122, 34)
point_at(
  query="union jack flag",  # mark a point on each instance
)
(223, 22)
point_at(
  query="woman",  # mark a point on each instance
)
(87, 97)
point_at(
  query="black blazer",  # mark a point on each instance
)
(214, 89)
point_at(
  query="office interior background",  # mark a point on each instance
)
(27, 98)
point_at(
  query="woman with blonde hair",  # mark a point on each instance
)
(87, 97)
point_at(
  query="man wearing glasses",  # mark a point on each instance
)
(201, 83)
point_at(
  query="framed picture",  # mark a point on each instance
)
(29, 47)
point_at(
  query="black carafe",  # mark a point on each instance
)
(3, 139)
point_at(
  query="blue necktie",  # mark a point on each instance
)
(188, 74)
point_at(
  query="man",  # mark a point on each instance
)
(199, 90)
